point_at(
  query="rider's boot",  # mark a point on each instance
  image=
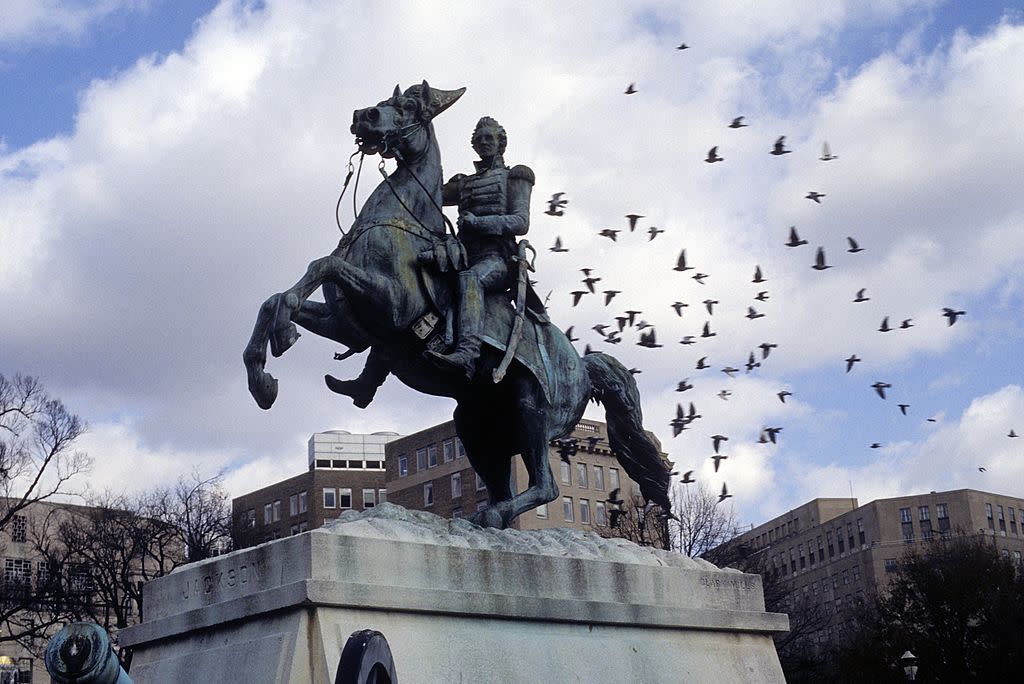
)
(364, 387)
(471, 311)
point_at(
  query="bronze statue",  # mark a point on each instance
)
(380, 293)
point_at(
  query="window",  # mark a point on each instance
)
(460, 448)
(890, 565)
(849, 536)
(988, 514)
(860, 531)
(18, 572)
(293, 530)
(448, 450)
(926, 529)
(428, 493)
(585, 511)
(904, 515)
(268, 514)
(382, 496)
(303, 527)
(831, 548)
(803, 561)
(941, 510)
(330, 497)
(908, 532)
(249, 520)
(541, 511)
(344, 497)
(567, 508)
(1013, 519)
(293, 504)
(431, 455)
(599, 480)
(566, 473)
(19, 528)
(277, 510)
(403, 466)
(456, 485)
(43, 574)
(581, 475)
(839, 539)
(480, 484)
(613, 478)
(481, 505)
(457, 512)
(369, 498)
(79, 578)
(792, 559)
(846, 577)
(421, 459)
(856, 573)
(303, 501)
(821, 549)
(1002, 519)
(600, 516)
(374, 465)
(923, 513)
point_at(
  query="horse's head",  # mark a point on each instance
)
(391, 124)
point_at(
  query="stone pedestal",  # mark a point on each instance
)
(456, 604)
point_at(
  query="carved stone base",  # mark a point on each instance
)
(456, 604)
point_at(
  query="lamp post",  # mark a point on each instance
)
(909, 662)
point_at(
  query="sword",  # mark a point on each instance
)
(517, 325)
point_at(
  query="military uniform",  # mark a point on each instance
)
(497, 200)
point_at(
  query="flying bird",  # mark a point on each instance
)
(1012, 434)
(752, 313)
(630, 89)
(751, 363)
(687, 339)
(713, 156)
(762, 296)
(903, 408)
(718, 458)
(653, 232)
(684, 385)
(876, 445)
(609, 233)
(622, 320)
(632, 221)
(702, 363)
(568, 333)
(678, 307)
(716, 441)
(738, 123)
(951, 314)
(648, 340)
(758, 277)
(709, 304)
(730, 371)
(687, 477)
(724, 495)
(558, 245)
(794, 239)
(766, 348)
(681, 263)
(819, 260)
(814, 196)
(880, 387)
(826, 153)
(783, 394)
(859, 297)
(682, 46)
(707, 330)
(556, 205)
(632, 316)
(773, 433)
(724, 395)
(906, 323)
(854, 247)
(981, 469)
(577, 295)
(609, 295)
(699, 277)
(884, 327)
(780, 146)
(589, 282)
(850, 361)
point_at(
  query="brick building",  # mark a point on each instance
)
(832, 553)
(345, 471)
(428, 470)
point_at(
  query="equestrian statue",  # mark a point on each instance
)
(453, 314)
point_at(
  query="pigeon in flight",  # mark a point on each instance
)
(819, 260)
(630, 89)
(577, 295)
(682, 46)
(687, 339)
(653, 232)
(854, 247)
(906, 323)
(589, 282)
(780, 147)
(568, 333)
(730, 371)
(632, 221)
(687, 477)
(981, 469)
(707, 330)
(609, 295)
(826, 153)
(558, 245)
(724, 495)
(609, 233)
(762, 296)
(903, 408)
(752, 313)
(724, 395)
(1011, 434)
(783, 394)
(632, 316)
(773, 433)
(752, 363)
(622, 320)
(885, 325)
(678, 308)
(859, 297)
(766, 348)
(758, 277)
(713, 156)
(681, 263)
(702, 363)
(708, 304)
(876, 445)
(814, 196)
(648, 340)
(738, 123)
(718, 458)
(716, 441)
(699, 277)
(850, 361)
(880, 387)
(951, 314)
(684, 385)
(600, 329)
(556, 205)
(794, 239)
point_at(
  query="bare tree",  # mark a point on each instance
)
(702, 522)
(200, 510)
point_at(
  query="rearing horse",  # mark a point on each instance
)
(379, 295)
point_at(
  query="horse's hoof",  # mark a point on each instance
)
(488, 517)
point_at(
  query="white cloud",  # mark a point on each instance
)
(51, 21)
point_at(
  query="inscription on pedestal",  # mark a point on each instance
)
(222, 579)
(744, 583)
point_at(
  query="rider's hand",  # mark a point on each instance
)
(467, 220)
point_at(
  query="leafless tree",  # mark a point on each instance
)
(702, 522)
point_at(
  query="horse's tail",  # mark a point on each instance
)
(614, 386)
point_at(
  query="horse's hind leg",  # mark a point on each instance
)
(475, 428)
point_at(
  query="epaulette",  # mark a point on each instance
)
(521, 172)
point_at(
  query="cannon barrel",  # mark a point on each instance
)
(81, 653)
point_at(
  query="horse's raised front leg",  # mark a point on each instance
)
(262, 385)
(359, 285)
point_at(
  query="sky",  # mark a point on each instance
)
(166, 166)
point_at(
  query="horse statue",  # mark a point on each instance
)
(380, 294)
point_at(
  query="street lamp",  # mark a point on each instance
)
(909, 662)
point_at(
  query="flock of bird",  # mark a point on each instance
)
(630, 320)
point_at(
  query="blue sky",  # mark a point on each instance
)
(210, 137)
